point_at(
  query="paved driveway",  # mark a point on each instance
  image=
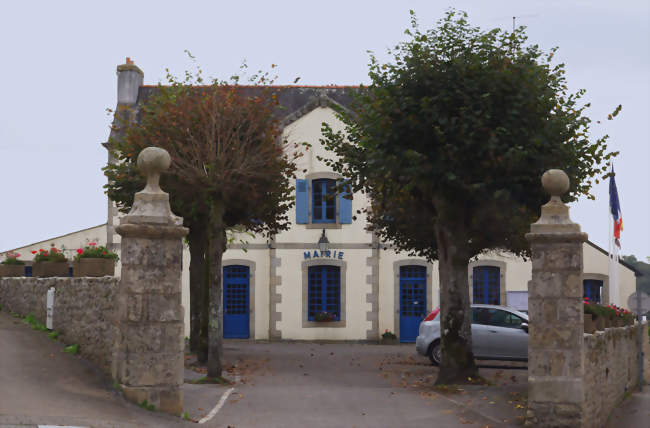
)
(278, 385)
(354, 385)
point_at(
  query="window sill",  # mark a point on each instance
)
(324, 226)
(323, 324)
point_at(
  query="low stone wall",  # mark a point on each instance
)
(83, 310)
(611, 370)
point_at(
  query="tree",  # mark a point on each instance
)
(449, 141)
(229, 168)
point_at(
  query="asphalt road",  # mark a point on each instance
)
(352, 385)
(40, 384)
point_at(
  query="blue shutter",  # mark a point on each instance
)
(302, 202)
(345, 208)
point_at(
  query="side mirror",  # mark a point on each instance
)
(524, 327)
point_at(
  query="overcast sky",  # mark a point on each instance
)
(58, 77)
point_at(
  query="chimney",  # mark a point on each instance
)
(129, 79)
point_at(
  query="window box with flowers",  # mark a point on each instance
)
(599, 317)
(11, 266)
(94, 260)
(49, 263)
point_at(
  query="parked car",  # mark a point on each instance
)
(498, 333)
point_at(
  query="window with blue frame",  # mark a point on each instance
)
(592, 290)
(322, 203)
(487, 285)
(324, 292)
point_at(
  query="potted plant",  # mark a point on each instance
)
(49, 263)
(11, 266)
(324, 317)
(94, 260)
(589, 314)
(388, 338)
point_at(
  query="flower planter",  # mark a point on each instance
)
(49, 269)
(93, 267)
(590, 325)
(600, 323)
(389, 341)
(619, 322)
(12, 270)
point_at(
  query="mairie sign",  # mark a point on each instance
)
(327, 254)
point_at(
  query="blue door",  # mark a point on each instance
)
(236, 302)
(412, 301)
(487, 285)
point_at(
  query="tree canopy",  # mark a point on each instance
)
(230, 168)
(450, 140)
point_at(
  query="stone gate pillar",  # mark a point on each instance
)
(148, 353)
(555, 347)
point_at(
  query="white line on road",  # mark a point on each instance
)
(218, 407)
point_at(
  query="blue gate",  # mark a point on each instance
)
(487, 285)
(236, 302)
(412, 301)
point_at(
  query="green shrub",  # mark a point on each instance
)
(12, 259)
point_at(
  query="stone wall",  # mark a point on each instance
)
(610, 370)
(83, 310)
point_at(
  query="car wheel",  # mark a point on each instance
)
(435, 351)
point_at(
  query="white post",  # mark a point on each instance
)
(50, 308)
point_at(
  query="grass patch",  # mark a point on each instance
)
(72, 349)
(147, 406)
(210, 380)
(186, 416)
(53, 334)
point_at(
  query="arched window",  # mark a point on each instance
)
(486, 285)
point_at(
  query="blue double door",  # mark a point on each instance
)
(236, 302)
(412, 301)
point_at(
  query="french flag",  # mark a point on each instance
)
(615, 209)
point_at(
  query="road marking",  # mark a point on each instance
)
(58, 426)
(218, 407)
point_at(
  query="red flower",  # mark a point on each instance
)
(34, 252)
(17, 255)
(41, 250)
(54, 250)
(104, 253)
(80, 251)
(92, 244)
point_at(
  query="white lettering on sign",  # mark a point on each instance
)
(335, 254)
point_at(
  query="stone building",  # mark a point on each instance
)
(275, 288)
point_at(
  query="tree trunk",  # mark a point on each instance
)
(215, 322)
(198, 243)
(202, 351)
(457, 363)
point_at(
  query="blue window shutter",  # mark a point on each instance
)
(302, 202)
(345, 208)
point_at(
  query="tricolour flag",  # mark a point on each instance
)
(615, 209)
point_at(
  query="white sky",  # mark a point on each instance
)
(58, 77)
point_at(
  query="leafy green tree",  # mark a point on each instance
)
(229, 168)
(449, 141)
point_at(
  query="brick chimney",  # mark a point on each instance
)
(129, 79)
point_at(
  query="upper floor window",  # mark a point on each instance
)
(323, 201)
(317, 201)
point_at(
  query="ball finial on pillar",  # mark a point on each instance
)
(152, 161)
(555, 182)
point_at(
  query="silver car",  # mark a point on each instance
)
(498, 333)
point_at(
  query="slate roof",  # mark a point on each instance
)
(295, 101)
